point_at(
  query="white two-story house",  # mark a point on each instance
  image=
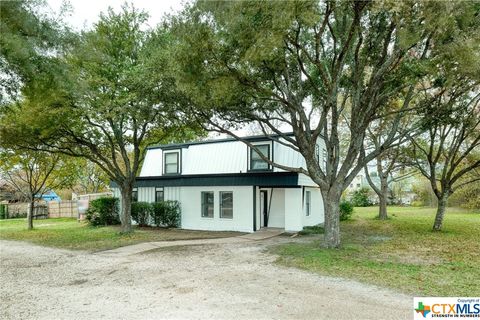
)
(225, 185)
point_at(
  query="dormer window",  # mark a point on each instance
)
(256, 161)
(171, 162)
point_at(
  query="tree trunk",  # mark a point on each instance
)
(383, 198)
(126, 207)
(31, 207)
(332, 217)
(441, 207)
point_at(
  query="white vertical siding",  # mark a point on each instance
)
(152, 165)
(286, 156)
(304, 180)
(223, 157)
(172, 193)
(146, 194)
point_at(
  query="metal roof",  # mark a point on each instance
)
(187, 144)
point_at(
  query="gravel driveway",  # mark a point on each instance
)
(212, 281)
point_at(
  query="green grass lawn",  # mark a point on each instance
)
(401, 253)
(70, 234)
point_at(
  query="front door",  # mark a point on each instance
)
(264, 206)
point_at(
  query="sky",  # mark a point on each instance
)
(86, 12)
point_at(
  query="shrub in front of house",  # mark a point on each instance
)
(103, 212)
(172, 215)
(360, 198)
(346, 210)
(141, 213)
(166, 214)
(317, 229)
(3, 211)
(158, 210)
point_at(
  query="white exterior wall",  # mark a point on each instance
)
(276, 217)
(242, 209)
(286, 156)
(222, 157)
(146, 194)
(317, 211)
(173, 193)
(152, 165)
(293, 209)
(287, 207)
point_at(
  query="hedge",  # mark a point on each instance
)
(160, 214)
(103, 211)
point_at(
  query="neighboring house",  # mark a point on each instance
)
(50, 196)
(225, 185)
(401, 192)
(360, 181)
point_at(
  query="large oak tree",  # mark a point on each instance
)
(325, 69)
(114, 97)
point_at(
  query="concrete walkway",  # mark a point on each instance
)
(262, 234)
(147, 246)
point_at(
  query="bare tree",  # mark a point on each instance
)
(32, 173)
(448, 154)
(91, 178)
(389, 171)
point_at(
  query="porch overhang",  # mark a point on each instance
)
(261, 179)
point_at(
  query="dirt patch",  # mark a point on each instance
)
(217, 281)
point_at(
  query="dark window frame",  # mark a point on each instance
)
(135, 195)
(269, 153)
(157, 191)
(205, 206)
(221, 206)
(177, 153)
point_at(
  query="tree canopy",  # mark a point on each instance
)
(328, 69)
(115, 98)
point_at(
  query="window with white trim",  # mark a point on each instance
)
(207, 204)
(226, 204)
(171, 162)
(308, 203)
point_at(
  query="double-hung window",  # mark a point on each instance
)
(256, 161)
(171, 163)
(159, 195)
(308, 202)
(226, 204)
(207, 204)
